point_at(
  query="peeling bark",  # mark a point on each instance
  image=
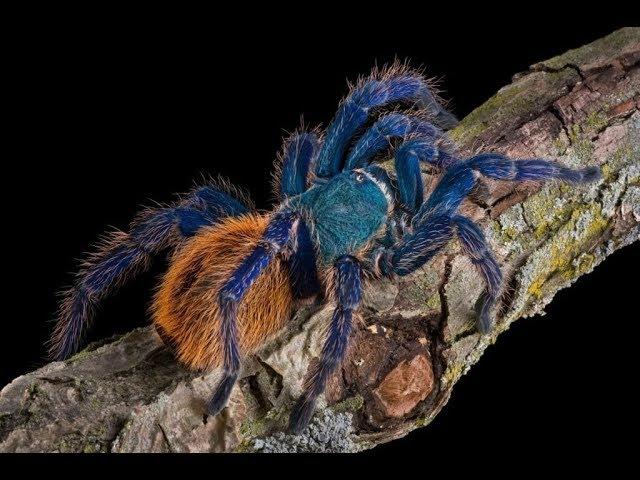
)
(417, 336)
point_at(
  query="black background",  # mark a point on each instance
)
(112, 114)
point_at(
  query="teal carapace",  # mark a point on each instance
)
(345, 213)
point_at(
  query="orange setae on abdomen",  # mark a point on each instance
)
(186, 309)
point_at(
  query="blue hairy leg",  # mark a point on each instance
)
(477, 248)
(498, 166)
(407, 162)
(205, 206)
(348, 292)
(355, 109)
(456, 183)
(417, 247)
(436, 220)
(377, 138)
(428, 238)
(460, 178)
(121, 255)
(302, 265)
(299, 152)
(278, 235)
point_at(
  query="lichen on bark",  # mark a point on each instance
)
(417, 335)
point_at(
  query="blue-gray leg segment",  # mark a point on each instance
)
(122, 255)
(436, 221)
(355, 109)
(454, 186)
(407, 162)
(377, 138)
(348, 293)
(427, 240)
(498, 166)
(277, 236)
(302, 265)
(460, 178)
(300, 151)
(476, 247)
(418, 247)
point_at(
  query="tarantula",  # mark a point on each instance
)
(235, 275)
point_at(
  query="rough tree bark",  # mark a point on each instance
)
(417, 336)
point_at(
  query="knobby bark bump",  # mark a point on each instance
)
(417, 335)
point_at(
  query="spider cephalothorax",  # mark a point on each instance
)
(236, 275)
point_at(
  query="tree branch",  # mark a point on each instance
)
(417, 335)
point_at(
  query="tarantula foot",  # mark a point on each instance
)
(301, 416)
(484, 320)
(221, 396)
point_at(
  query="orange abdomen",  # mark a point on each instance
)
(186, 311)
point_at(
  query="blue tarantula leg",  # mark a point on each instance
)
(377, 137)
(372, 93)
(460, 178)
(299, 152)
(120, 256)
(498, 166)
(348, 293)
(415, 248)
(276, 237)
(476, 247)
(208, 204)
(428, 238)
(407, 162)
(302, 265)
